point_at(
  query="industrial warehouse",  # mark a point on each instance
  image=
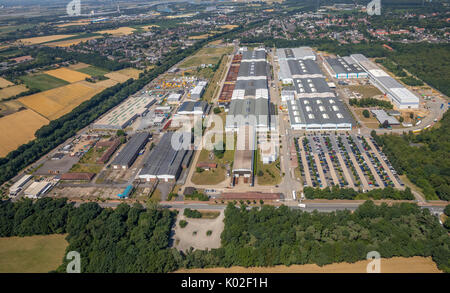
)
(399, 95)
(123, 115)
(344, 68)
(167, 160)
(193, 108)
(244, 154)
(250, 101)
(130, 152)
(319, 114)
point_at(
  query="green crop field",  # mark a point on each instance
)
(93, 71)
(42, 81)
(35, 254)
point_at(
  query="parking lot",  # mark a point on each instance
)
(345, 160)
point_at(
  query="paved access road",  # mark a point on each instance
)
(310, 206)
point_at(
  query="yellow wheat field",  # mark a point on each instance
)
(124, 74)
(40, 40)
(120, 31)
(18, 128)
(67, 74)
(229, 26)
(54, 103)
(12, 91)
(200, 37)
(5, 83)
(68, 43)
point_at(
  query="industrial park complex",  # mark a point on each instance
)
(145, 145)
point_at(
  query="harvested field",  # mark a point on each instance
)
(59, 101)
(414, 264)
(42, 82)
(10, 107)
(68, 43)
(67, 74)
(229, 26)
(12, 91)
(5, 83)
(45, 39)
(199, 37)
(34, 254)
(123, 74)
(120, 31)
(18, 128)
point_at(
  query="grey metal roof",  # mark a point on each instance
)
(383, 116)
(166, 158)
(303, 107)
(311, 67)
(389, 82)
(254, 55)
(319, 84)
(249, 109)
(128, 154)
(189, 106)
(248, 69)
(340, 65)
(250, 86)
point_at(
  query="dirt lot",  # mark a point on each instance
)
(184, 238)
(391, 265)
(74, 193)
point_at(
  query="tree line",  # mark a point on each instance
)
(336, 192)
(423, 158)
(133, 239)
(370, 102)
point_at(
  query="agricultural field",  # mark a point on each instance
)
(71, 42)
(19, 128)
(199, 37)
(120, 31)
(12, 91)
(414, 264)
(54, 103)
(34, 254)
(5, 83)
(123, 74)
(43, 81)
(45, 39)
(93, 71)
(67, 74)
(229, 26)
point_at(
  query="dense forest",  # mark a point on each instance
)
(134, 239)
(429, 62)
(349, 193)
(423, 158)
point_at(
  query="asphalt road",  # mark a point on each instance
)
(310, 207)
